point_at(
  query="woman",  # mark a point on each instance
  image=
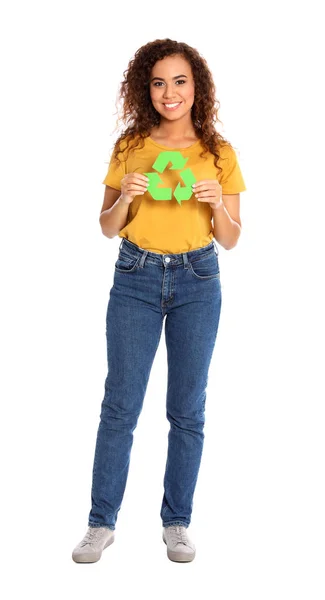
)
(167, 198)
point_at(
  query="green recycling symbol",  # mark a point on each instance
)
(178, 162)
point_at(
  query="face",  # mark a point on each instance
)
(171, 82)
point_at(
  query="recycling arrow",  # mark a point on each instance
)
(178, 161)
(156, 192)
(184, 193)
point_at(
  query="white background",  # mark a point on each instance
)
(258, 518)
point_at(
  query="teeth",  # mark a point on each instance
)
(172, 105)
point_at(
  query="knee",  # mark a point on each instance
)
(117, 416)
(187, 422)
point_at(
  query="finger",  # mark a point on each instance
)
(136, 188)
(208, 199)
(138, 178)
(201, 182)
(205, 185)
(204, 188)
(133, 187)
(206, 193)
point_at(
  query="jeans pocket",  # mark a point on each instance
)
(206, 267)
(126, 263)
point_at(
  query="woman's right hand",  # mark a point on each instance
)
(133, 184)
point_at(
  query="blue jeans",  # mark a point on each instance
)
(147, 287)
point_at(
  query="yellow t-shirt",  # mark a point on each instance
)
(175, 225)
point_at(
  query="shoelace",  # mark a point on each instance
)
(90, 535)
(178, 534)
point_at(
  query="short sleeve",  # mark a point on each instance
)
(115, 172)
(231, 179)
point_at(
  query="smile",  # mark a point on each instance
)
(173, 106)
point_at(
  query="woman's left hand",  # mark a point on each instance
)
(208, 190)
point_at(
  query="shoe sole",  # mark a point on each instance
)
(179, 556)
(91, 557)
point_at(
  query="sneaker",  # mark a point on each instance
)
(92, 545)
(179, 546)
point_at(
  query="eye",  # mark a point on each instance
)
(177, 81)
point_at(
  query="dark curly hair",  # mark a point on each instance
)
(139, 114)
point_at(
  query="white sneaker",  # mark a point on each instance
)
(92, 545)
(179, 546)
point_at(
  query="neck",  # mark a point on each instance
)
(179, 129)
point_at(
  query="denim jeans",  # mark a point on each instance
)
(147, 287)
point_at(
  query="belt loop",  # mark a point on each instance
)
(185, 260)
(215, 245)
(143, 258)
(121, 244)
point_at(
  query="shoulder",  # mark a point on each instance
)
(122, 144)
(129, 144)
(227, 152)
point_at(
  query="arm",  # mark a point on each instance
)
(114, 212)
(226, 221)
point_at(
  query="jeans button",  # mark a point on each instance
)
(167, 259)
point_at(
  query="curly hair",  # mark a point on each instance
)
(139, 114)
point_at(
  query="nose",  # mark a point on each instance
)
(168, 93)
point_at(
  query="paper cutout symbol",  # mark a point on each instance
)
(177, 162)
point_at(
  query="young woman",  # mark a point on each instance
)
(172, 186)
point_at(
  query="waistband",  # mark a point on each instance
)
(175, 259)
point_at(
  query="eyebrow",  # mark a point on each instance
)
(161, 79)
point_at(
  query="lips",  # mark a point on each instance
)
(172, 107)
